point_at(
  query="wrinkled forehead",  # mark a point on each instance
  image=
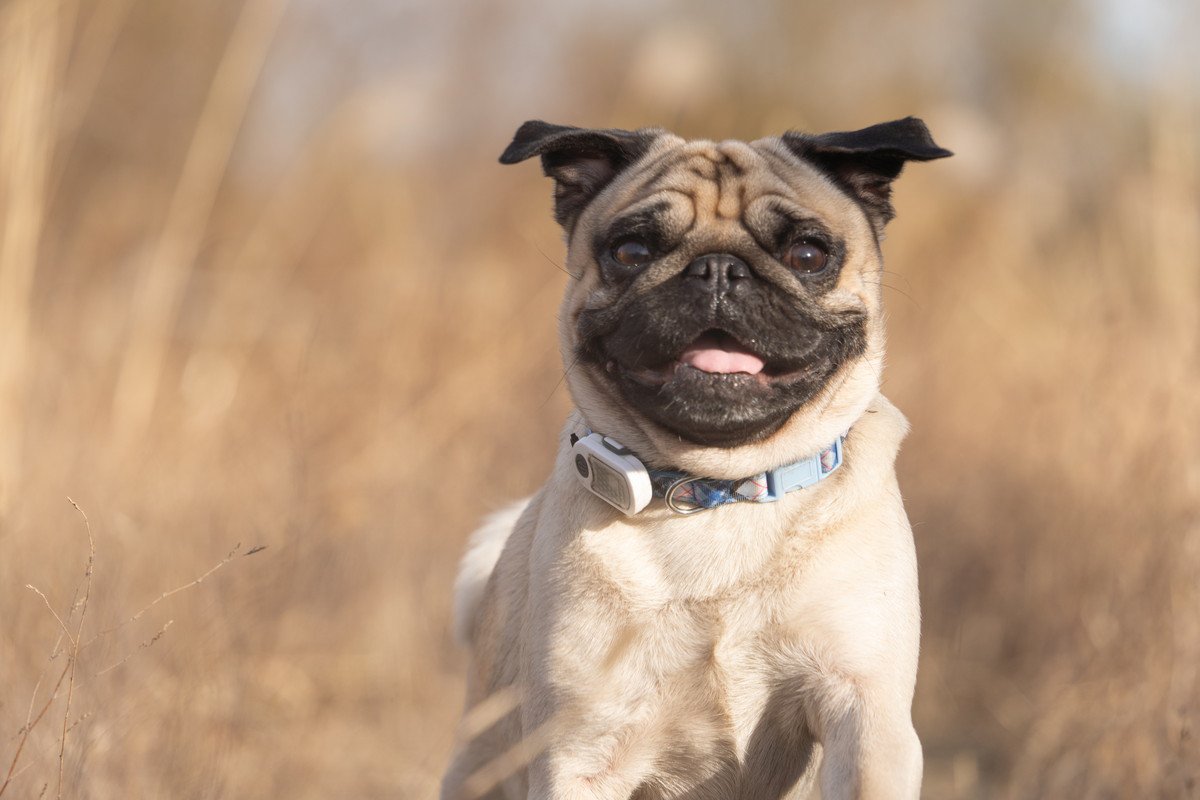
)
(725, 185)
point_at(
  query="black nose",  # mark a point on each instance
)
(719, 272)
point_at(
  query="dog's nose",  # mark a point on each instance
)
(719, 272)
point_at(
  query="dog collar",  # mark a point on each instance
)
(612, 472)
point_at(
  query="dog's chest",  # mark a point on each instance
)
(714, 669)
(715, 722)
(694, 662)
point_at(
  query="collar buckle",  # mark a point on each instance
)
(673, 503)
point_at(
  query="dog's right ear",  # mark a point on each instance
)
(582, 161)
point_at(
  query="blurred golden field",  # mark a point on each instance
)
(263, 284)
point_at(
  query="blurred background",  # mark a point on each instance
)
(263, 284)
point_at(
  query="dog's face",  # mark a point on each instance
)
(721, 291)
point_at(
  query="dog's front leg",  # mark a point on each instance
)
(870, 753)
(569, 784)
(589, 757)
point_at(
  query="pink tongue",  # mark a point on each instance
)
(710, 355)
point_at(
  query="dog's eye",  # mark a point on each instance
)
(806, 256)
(632, 253)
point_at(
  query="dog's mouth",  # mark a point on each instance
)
(722, 388)
(716, 355)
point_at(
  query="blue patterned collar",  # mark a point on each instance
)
(614, 473)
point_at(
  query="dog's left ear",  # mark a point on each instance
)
(582, 161)
(865, 162)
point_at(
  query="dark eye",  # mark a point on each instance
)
(806, 256)
(632, 253)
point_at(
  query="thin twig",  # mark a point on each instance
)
(50, 608)
(78, 720)
(83, 607)
(38, 684)
(141, 646)
(165, 595)
(67, 675)
(25, 731)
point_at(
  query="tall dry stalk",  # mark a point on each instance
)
(82, 73)
(30, 32)
(163, 277)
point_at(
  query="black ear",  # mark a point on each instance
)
(865, 162)
(581, 161)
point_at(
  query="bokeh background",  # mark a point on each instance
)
(263, 283)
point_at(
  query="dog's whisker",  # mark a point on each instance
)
(899, 275)
(561, 379)
(556, 265)
(895, 289)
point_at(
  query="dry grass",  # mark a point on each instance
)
(221, 321)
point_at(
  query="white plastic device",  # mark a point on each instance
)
(612, 472)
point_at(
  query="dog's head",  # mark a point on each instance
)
(724, 313)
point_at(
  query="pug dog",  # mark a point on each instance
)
(714, 595)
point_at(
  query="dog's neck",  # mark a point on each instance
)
(617, 476)
(744, 537)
